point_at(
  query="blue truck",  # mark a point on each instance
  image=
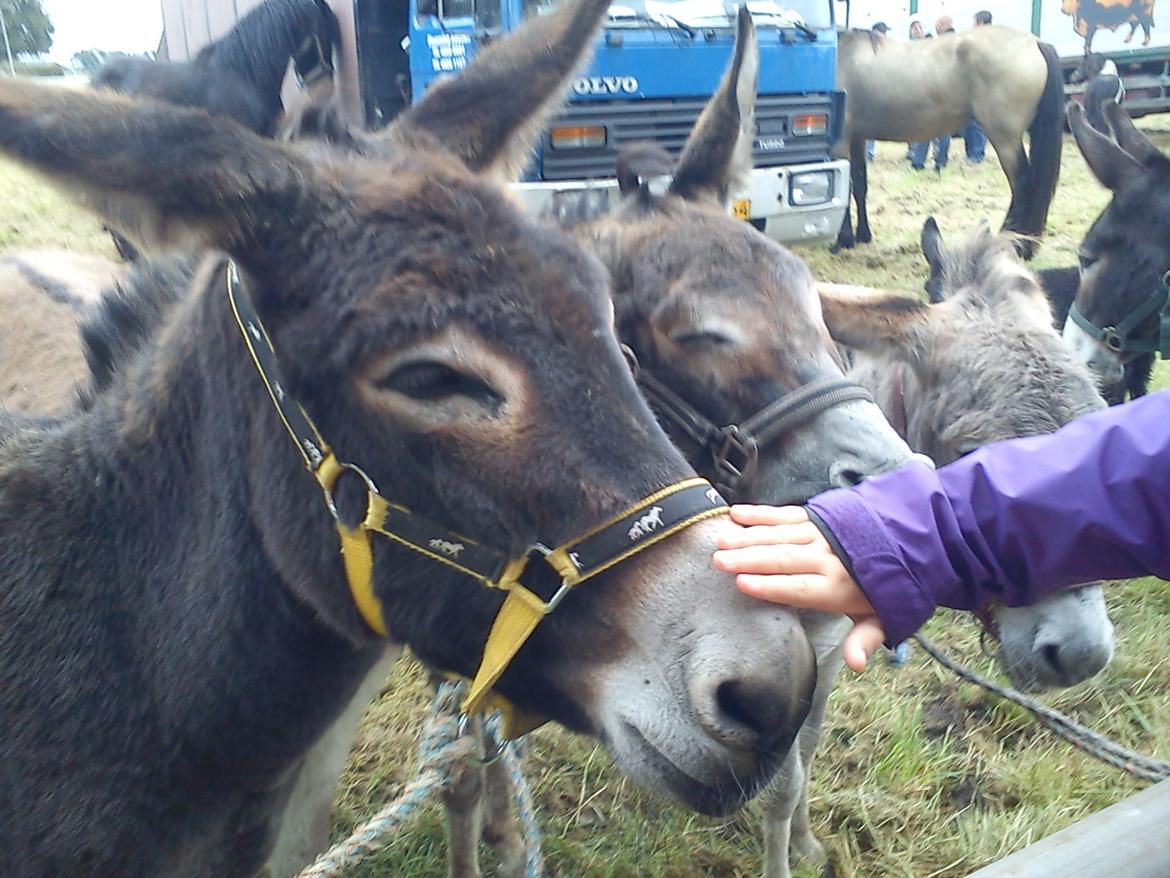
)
(655, 65)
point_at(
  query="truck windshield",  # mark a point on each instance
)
(686, 14)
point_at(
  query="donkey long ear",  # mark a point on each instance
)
(165, 175)
(718, 154)
(932, 249)
(492, 113)
(875, 321)
(1110, 164)
(1130, 138)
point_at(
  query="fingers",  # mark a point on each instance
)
(862, 642)
(768, 534)
(773, 557)
(751, 514)
(812, 591)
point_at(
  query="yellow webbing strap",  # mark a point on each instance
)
(358, 556)
(514, 624)
(356, 551)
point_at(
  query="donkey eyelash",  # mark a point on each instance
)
(690, 339)
(431, 381)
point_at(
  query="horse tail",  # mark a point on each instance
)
(1046, 135)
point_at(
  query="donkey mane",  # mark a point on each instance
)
(123, 323)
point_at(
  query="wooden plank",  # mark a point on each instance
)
(221, 17)
(195, 21)
(1128, 840)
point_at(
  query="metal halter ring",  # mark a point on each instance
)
(737, 456)
(541, 551)
(1112, 339)
(371, 488)
(501, 745)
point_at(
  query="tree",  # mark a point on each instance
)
(29, 30)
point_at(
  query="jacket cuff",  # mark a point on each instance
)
(861, 541)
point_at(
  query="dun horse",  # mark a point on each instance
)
(239, 75)
(176, 625)
(1121, 315)
(1005, 79)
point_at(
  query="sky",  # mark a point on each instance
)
(124, 25)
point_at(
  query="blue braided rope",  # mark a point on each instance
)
(533, 857)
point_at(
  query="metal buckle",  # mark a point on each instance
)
(371, 489)
(501, 745)
(1112, 339)
(746, 455)
(539, 551)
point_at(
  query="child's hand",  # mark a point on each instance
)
(782, 557)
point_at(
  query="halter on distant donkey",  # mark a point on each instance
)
(1005, 79)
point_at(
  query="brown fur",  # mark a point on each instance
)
(43, 296)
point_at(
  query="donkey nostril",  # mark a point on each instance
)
(752, 707)
(1051, 653)
(845, 476)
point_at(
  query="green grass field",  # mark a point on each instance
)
(919, 775)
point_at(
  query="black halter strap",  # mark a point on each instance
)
(735, 448)
(1120, 338)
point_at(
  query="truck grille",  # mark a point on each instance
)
(668, 123)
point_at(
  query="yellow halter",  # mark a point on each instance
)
(532, 591)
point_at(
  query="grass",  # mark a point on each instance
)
(918, 775)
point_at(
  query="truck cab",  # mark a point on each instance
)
(656, 63)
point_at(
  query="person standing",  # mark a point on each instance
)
(943, 26)
(917, 152)
(974, 140)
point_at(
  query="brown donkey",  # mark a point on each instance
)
(176, 625)
(43, 295)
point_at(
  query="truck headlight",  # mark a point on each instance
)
(810, 125)
(577, 136)
(811, 187)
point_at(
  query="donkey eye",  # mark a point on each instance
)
(696, 338)
(433, 381)
(1085, 259)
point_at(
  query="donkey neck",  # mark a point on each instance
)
(138, 562)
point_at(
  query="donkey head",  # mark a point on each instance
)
(982, 364)
(1126, 251)
(464, 356)
(725, 318)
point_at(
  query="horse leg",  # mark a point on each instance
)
(845, 238)
(786, 819)
(780, 802)
(1017, 169)
(501, 829)
(859, 177)
(462, 804)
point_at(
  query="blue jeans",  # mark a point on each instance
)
(975, 141)
(942, 151)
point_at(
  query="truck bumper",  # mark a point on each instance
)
(767, 201)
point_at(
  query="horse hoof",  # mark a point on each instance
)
(840, 245)
(864, 237)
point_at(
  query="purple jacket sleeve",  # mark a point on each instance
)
(1013, 521)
